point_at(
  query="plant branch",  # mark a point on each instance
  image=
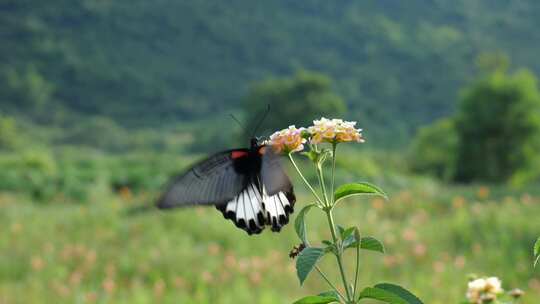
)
(357, 266)
(338, 255)
(357, 269)
(334, 147)
(322, 184)
(304, 179)
(328, 281)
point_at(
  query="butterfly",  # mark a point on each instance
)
(248, 186)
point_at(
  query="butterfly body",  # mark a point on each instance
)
(248, 161)
(247, 185)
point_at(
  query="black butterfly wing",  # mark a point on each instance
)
(273, 176)
(209, 182)
(268, 198)
(249, 187)
(278, 190)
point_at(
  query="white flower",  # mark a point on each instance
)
(474, 297)
(493, 285)
(478, 284)
(288, 140)
(334, 131)
(481, 289)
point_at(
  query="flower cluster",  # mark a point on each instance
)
(288, 140)
(484, 290)
(334, 131)
(323, 130)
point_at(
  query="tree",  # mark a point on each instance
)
(498, 125)
(26, 89)
(293, 100)
(98, 132)
(9, 135)
(433, 149)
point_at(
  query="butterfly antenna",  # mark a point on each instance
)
(239, 123)
(261, 120)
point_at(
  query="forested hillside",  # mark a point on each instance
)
(397, 64)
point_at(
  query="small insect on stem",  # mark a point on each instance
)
(296, 250)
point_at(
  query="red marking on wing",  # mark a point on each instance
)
(238, 154)
(262, 150)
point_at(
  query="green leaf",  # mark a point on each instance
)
(300, 225)
(331, 293)
(318, 157)
(327, 243)
(316, 300)
(340, 229)
(348, 232)
(312, 155)
(357, 189)
(350, 238)
(322, 298)
(371, 243)
(331, 248)
(306, 261)
(381, 295)
(357, 233)
(401, 292)
(350, 242)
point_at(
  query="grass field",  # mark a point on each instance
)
(113, 249)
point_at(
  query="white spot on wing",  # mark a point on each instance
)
(252, 210)
(246, 206)
(276, 209)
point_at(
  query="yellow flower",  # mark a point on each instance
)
(334, 131)
(287, 140)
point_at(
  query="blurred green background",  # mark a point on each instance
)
(101, 102)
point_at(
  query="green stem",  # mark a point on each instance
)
(328, 281)
(304, 179)
(357, 269)
(334, 146)
(338, 256)
(333, 232)
(323, 186)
